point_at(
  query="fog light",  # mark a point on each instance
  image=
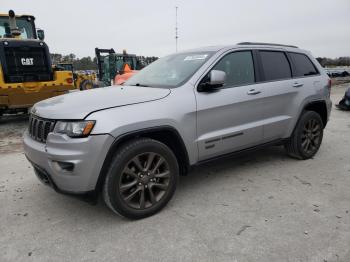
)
(63, 166)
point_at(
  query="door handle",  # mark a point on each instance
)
(297, 84)
(253, 92)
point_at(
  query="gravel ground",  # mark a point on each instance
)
(260, 207)
(11, 130)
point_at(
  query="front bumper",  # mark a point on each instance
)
(68, 165)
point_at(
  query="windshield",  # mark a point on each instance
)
(122, 60)
(23, 24)
(66, 67)
(170, 71)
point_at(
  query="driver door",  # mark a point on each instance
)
(229, 119)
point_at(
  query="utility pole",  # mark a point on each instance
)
(176, 33)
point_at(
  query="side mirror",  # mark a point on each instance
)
(213, 81)
(41, 34)
(217, 78)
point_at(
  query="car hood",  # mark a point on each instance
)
(77, 105)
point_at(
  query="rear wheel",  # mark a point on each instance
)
(307, 136)
(142, 178)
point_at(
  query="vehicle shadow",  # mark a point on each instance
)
(199, 178)
(233, 165)
(14, 119)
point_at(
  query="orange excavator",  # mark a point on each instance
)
(115, 69)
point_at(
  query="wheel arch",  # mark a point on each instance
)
(165, 134)
(319, 107)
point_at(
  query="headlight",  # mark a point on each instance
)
(74, 128)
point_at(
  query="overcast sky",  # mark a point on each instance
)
(148, 27)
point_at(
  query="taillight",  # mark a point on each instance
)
(69, 80)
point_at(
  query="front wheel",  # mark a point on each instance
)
(86, 85)
(142, 178)
(307, 136)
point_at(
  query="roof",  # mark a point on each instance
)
(244, 45)
(266, 44)
(204, 49)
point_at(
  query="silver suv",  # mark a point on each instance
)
(130, 143)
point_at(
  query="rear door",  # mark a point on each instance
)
(280, 95)
(229, 119)
(305, 74)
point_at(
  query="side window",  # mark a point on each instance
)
(303, 65)
(275, 65)
(239, 68)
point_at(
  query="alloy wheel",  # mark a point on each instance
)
(311, 136)
(144, 180)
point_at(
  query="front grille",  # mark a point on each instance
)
(27, 64)
(39, 128)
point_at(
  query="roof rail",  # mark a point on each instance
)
(257, 43)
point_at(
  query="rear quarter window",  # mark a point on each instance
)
(302, 65)
(275, 65)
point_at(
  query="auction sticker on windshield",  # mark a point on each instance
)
(195, 57)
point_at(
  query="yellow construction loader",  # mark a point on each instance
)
(26, 72)
(83, 80)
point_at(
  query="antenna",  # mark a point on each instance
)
(176, 33)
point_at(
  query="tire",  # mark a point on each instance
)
(86, 84)
(307, 136)
(135, 190)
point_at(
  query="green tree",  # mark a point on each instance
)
(84, 63)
